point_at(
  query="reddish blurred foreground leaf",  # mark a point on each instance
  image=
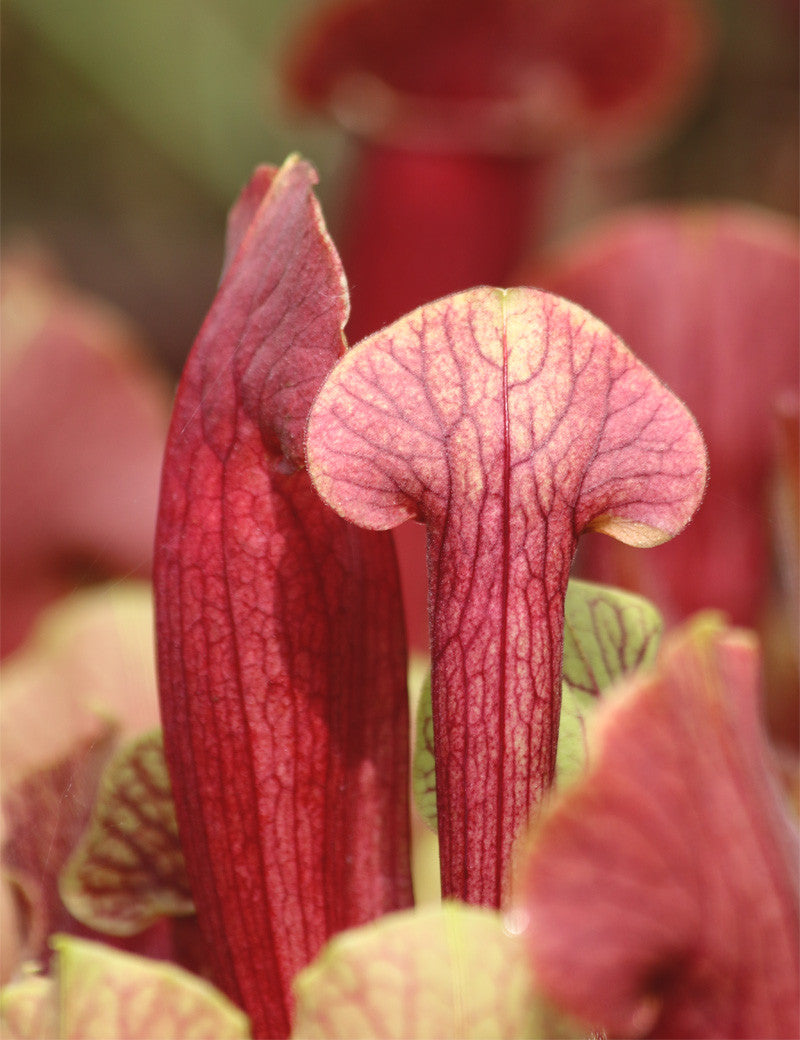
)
(44, 814)
(280, 628)
(662, 890)
(509, 421)
(95, 993)
(83, 416)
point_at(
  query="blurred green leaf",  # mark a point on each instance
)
(196, 78)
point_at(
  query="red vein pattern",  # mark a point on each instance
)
(128, 869)
(508, 421)
(280, 631)
(702, 293)
(104, 992)
(662, 891)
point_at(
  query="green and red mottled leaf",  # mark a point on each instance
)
(607, 633)
(88, 662)
(447, 971)
(89, 658)
(95, 992)
(128, 869)
(423, 766)
(662, 890)
(280, 630)
(509, 421)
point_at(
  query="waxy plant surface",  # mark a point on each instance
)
(281, 642)
(509, 421)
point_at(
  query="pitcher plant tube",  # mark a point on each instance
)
(281, 647)
(509, 421)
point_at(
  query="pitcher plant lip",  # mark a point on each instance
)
(697, 291)
(509, 421)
